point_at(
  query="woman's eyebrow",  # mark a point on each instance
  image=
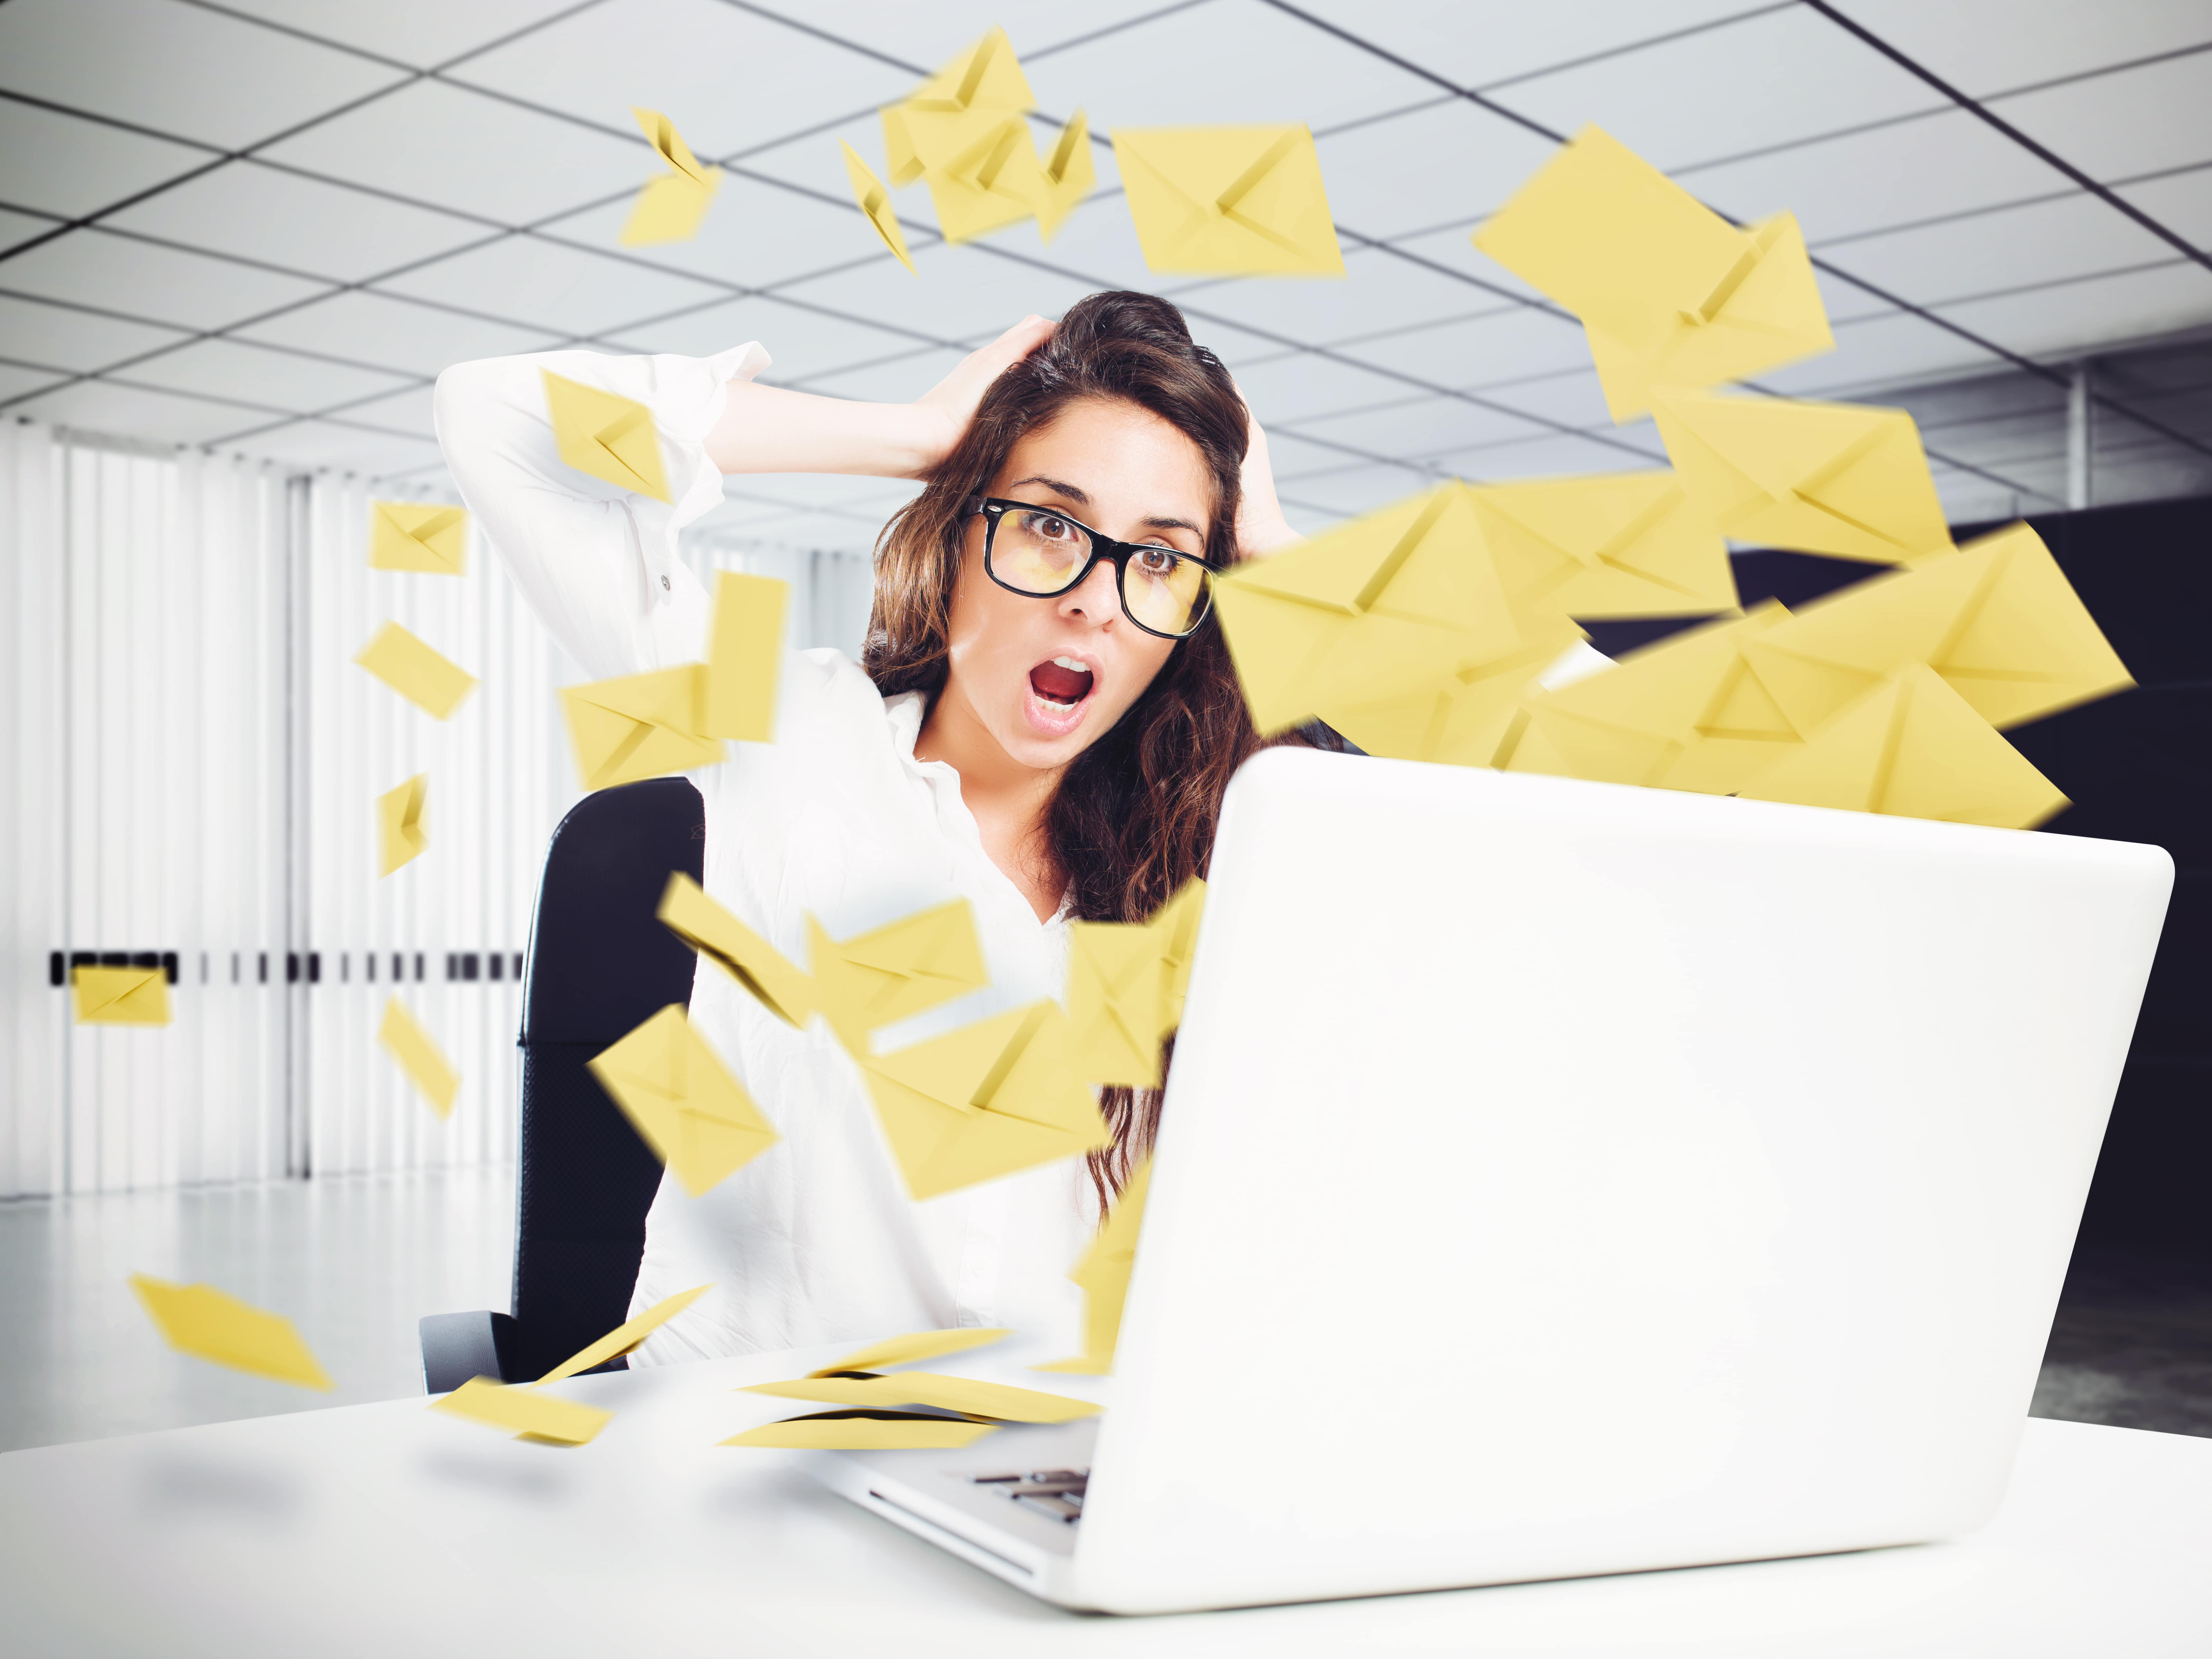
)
(1175, 523)
(1066, 490)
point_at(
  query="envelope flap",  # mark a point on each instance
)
(1777, 293)
(2027, 624)
(949, 1070)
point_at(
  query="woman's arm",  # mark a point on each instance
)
(1261, 529)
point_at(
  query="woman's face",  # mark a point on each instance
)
(1047, 677)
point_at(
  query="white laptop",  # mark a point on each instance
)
(1559, 1178)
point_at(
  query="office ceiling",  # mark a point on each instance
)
(264, 225)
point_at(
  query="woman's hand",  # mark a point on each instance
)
(1260, 526)
(946, 408)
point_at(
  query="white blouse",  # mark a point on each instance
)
(816, 1240)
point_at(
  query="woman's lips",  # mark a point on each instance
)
(1058, 700)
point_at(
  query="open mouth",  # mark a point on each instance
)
(1061, 683)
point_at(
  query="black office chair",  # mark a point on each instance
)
(599, 964)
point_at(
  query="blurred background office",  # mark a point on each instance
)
(239, 241)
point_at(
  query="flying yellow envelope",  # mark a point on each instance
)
(946, 1393)
(1464, 717)
(679, 1096)
(1835, 478)
(984, 1100)
(880, 978)
(1103, 1274)
(1229, 201)
(917, 1345)
(1069, 176)
(748, 959)
(400, 835)
(405, 536)
(866, 1431)
(947, 115)
(639, 726)
(670, 208)
(744, 662)
(416, 1051)
(609, 436)
(997, 183)
(200, 1321)
(625, 1336)
(1670, 293)
(121, 996)
(876, 204)
(1125, 987)
(1912, 747)
(418, 673)
(1613, 545)
(525, 1412)
(1997, 619)
(1386, 603)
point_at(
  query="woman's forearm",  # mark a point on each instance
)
(765, 429)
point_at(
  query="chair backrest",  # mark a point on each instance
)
(599, 964)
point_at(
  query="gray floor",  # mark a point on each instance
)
(354, 1261)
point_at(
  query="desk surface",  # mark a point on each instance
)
(391, 1529)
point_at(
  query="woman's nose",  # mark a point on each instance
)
(1096, 598)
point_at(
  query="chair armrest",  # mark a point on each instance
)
(457, 1346)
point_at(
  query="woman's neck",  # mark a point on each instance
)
(1007, 799)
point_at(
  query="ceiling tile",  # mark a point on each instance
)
(422, 33)
(1419, 427)
(2075, 235)
(1229, 62)
(82, 341)
(17, 381)
(1289, 391)
(124, 411)
(1380, 291)
(398, 334)
(261, 374)
(552, 285)
(1569, 397)
(408, 411)
(1876, 351)
(807, 340)
(327, 445)
(161, 284)
(1098, 241)
(2117, 125)
(186, 69)
(898, 381)
(2182, 202)
(1352, 491)
(1501, 345)
(1984, 46)
(58, 164)
(961, 292)
(755, 235)
(1452, 247)
(451, 147)
(2047, 322)
(1407, 172)
(17, 229)
(931, 36)
(280, 218)
(1480, 43)
(1290, 455)
(1771, 79)
(1902, 174)
(1553, 456)
(872, 500)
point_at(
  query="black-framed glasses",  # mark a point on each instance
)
(1041, 552)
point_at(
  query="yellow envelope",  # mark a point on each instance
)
(865, 1430)
(1103, 1274)
(1388, 602)
(1466, 715)
(639, 726)
(400, 835)
(609, 436)
(918, 1344)
(670, 208)
(121, 996)
(625, 1336)
(1834, 478)
(527, 1413)
(998, 182)
(744, 662)
(1998, 620)
(947, 115)
(738, 950)
(406, 535)
(1229, 201)
(1125, 988)
(407, 1041)
(200, 1321)
(1069, 176)
(945, 1393)
(679, 1096)
(984, 1100)
(876, 204)
(1613, 545)
(1912, 747)
(1670, 293)
(885, 975)
(432, 682)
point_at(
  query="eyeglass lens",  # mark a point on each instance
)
(1040, 552)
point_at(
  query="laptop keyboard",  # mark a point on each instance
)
(1056, 1494)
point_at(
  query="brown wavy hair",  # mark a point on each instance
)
(1135, 814)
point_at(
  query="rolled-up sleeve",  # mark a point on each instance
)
(597, 563)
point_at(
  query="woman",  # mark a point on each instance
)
(1044, 755)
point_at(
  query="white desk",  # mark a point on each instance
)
(392, 1529)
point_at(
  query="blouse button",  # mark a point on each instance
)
(664, 583)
